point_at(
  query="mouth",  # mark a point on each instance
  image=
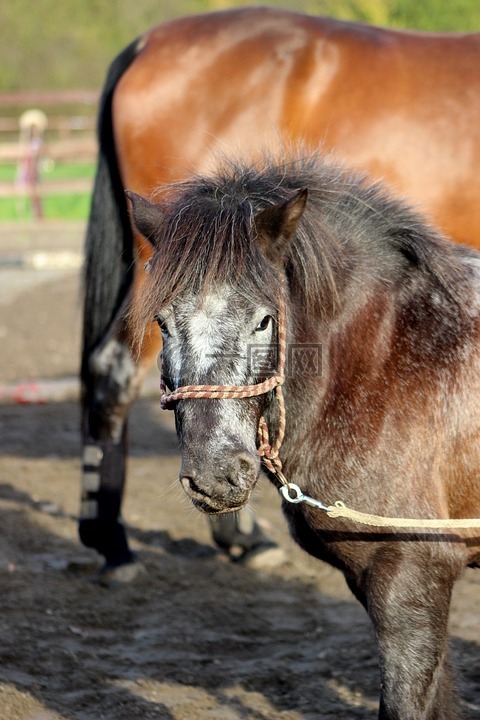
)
(212, 509)
(212, 505)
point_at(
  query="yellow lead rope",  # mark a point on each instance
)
(340, 510)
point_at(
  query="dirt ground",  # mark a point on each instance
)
(200, 638)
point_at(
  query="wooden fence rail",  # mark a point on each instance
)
(82, 149)
(48, 187)
(63, 125)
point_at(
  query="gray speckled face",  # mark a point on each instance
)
(212, 340)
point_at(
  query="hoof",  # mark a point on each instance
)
(124, 574)
(264, 556)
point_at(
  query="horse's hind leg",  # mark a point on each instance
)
(113, 382)
(244, 540)
(408, 593)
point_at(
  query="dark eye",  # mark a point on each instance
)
(263, 325)
(161, 324)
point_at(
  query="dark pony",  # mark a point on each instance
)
(251, 78)
(387, 423)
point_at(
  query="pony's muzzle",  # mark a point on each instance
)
(223, 486)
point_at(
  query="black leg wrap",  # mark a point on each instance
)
(237, 530)
(108, 539)
(102, 488)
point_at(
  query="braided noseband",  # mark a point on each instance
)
(267, 452)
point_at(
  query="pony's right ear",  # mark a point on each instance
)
(146, 217)
(277, 224)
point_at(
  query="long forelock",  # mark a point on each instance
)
(208, 236)
(207, 239)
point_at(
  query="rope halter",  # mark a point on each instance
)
(268, 453)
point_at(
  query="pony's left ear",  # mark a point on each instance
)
(276, 226)
(146, 217)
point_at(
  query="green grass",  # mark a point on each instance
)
(62, 207)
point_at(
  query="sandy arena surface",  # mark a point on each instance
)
(199, 638)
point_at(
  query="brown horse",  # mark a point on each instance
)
(387, 419)
(404, 106)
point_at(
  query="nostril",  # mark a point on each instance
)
(245, 463)
(241, 471)
(189, 485)
(186, 482)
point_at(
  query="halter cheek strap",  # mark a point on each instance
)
(268, 453)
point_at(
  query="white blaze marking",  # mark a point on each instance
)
(205, 331)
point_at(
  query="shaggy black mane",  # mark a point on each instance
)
(350, 226)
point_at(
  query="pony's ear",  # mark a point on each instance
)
(147, 218)
(277, 225)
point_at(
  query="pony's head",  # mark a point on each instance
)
(214, 287)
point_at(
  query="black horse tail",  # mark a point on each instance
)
(108, 269)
